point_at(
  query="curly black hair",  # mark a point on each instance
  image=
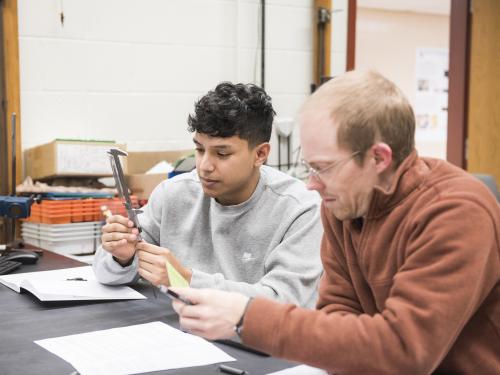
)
(238, 109)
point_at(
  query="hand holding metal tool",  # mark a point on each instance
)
(116, 167)
(121, 186)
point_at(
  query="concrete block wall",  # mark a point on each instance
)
(131, 70)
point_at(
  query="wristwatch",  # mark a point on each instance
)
(238, 328)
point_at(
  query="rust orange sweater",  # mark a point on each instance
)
(413, 289)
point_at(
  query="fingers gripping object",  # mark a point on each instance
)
(121, 186)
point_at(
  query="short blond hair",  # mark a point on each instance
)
(367, 108)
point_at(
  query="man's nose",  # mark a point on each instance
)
(314, 183)
(206, 163)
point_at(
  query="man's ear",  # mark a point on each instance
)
(382, 154)
(262, 153)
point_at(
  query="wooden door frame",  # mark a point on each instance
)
(4, 134)
(458, 82)
(352, 7)
(9, 99)
(10, 90)
(326, 46)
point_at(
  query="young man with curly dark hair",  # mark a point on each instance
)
(234, 223)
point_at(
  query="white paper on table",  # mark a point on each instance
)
(54, 286)
(300, 370)
(134, 349)
(91, 289)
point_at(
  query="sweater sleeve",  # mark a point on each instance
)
(292, 268)
(110, 272)
(452, 263)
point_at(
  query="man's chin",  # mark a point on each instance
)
(212, 193)
(339, 214)
(209, 192)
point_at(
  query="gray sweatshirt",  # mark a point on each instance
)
(267, 246)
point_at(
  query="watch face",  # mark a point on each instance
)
(239, 329)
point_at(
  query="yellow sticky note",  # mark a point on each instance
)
(175, 277)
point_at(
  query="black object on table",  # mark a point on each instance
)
(7, 266)
(23, 319)
(23, 257)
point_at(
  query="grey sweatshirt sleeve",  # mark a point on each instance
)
(292, 268)
(110, 272)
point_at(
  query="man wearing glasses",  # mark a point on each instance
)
(410, 251)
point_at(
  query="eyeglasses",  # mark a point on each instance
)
(314, 172)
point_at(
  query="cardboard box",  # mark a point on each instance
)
(141, 184)
(62, 158)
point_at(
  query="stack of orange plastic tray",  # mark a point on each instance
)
(75, 210)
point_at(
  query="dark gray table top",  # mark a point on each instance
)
(23, 319)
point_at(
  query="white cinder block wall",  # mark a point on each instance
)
(131, 70)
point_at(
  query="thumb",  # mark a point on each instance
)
(144, 246)
(196, 296)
